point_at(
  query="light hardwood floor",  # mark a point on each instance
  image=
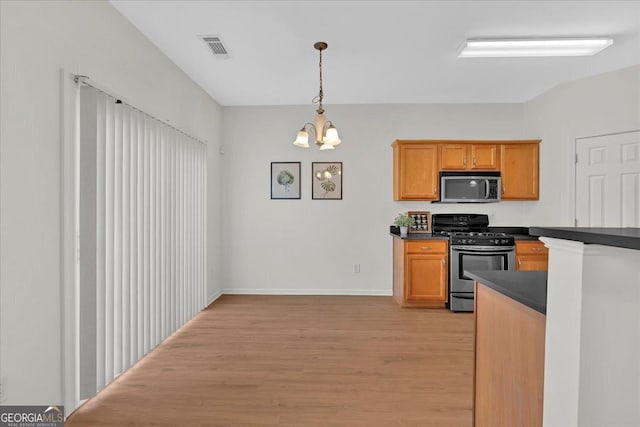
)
(299, 361)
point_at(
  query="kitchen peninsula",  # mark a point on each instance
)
(509, 347)
(591, 330)
(592, 340)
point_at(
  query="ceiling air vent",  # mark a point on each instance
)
(216, 46)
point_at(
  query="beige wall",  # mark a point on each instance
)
(603, 104)
(310, 246)
(38, 41)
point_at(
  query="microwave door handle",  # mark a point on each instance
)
(486, 189)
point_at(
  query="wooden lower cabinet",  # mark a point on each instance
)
(420, 272)
(531, 255)
(508, 360)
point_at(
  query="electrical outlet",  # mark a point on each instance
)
(3, 388)
(356, 268)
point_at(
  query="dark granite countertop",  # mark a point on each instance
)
(519, 233)
(419, 236)
(524, 237)
(526, 287)
(628, 238)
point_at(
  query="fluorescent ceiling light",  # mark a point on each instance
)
(494, 48)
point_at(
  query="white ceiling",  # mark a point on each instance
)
(380, 51)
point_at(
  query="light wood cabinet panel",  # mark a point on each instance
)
(425, 277)
(532, 263)
(508, 361)
(425, 246)
(417, 163)
(420, 273)
(519, 170)
(465, 156)
(484, 157)
(453, 156)
(415, 171)
(531, 256)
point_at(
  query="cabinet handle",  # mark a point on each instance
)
(444, 261)
(536, 249)
(503, 188)
(426, 248)
(519, 262)
(474, 161)
(464, 161)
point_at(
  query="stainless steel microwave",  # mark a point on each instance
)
(470, 187)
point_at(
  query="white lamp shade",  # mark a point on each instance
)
(302, 140)
(326, 146)
(331, 136)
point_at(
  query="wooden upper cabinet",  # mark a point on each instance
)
(469, 157)
(453, 156)
(519, 168)
(415, 171)
(417, 163)
(484, 156)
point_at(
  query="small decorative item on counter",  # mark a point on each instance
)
(404, 221)
(421, 221)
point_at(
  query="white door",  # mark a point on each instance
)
(608, 180)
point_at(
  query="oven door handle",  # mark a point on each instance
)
(462, 296)
(483, 249)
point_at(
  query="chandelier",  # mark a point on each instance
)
(325, 132)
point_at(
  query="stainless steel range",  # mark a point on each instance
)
(471, 247)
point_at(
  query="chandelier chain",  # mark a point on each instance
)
(321, 93)
(326, 134)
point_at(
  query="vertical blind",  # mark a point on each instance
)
(146, 239)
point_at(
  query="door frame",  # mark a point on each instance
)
(70, 227)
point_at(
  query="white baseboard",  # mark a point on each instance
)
(214, 297)
(361, 292)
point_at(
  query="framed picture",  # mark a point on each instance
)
(326, 180)
(285, 180)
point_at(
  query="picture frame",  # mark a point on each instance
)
(326, 180)
(285, 180)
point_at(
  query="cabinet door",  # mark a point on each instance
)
(532, 262)
(426, 278)
(519, 171)
(531, 256)
(484, 157)
(415, 172)
(454, 156)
